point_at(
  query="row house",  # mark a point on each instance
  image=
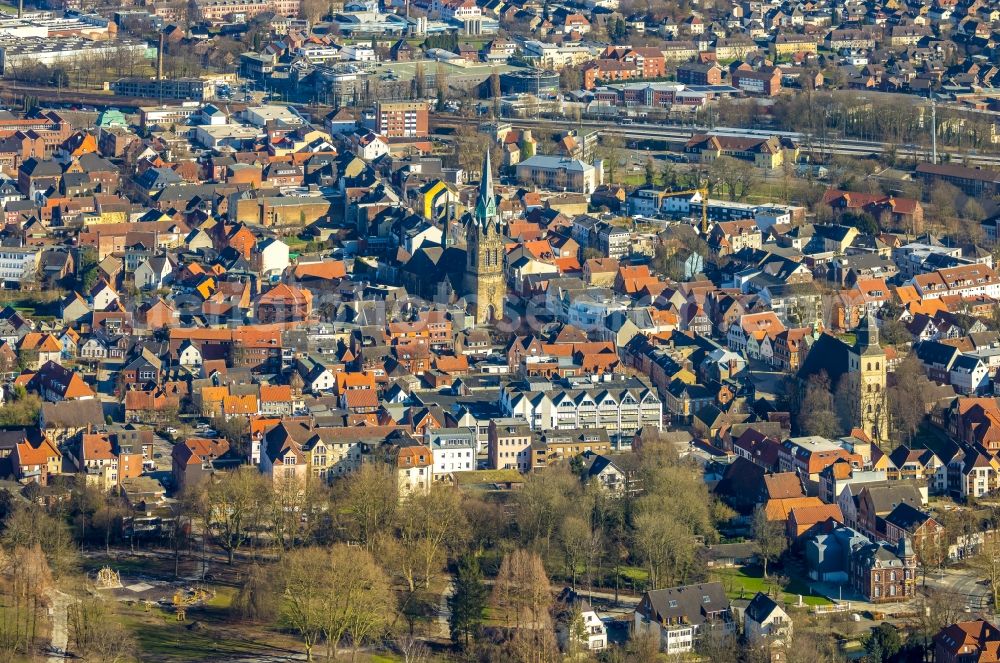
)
(746, 334)
(963, 280)
(622, 406)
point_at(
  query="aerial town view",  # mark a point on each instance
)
(500, 331)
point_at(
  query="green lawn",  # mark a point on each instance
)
(294, 243)
(746, 581)
(635, 573)
(630, 179)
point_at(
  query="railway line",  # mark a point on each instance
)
(671, 134)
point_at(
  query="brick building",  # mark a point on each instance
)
(401, 119)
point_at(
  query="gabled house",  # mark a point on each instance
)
(195, 459)
(677, 616)
(153, 272)
(766, 622)
(56, 383)
(969, 641)
(64, 420)
(102, 296)
(35, 349)
(315, 376)
(35, 460)
(606, 473)
(920, 527)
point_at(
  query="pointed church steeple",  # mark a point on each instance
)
(866, 335)
(484, 250)
(486, 203)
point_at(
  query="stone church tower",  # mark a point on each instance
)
(872, 382)
(484, 279)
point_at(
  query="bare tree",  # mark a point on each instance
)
(411, 649)
(736, 176)
(666, 545)
(521, 591)
(259, 597)
(908, 396)
(543, 503)
(574, 539)
(29, 526)
(429, 525)
(313, 10)
(369, 498)
(95, 635)
(31, 579)
(987, 562)
(232, 507)
(769, 537)
(360, 600)
(306, 592)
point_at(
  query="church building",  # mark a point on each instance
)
(864, 363)
(484, 250)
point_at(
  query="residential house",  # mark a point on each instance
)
(453, 450)
(196, 459)
(766, 621)
(967, 642)
(64, 420)
(606, 473)
(35, 459)
(679, 615)
(509, 445)
(917, 525)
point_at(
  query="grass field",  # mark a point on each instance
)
(295, 243)
(745, 582)
(205, 635)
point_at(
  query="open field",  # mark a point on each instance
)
(205, 635)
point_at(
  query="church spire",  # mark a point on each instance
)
(866, 335)
(486, 203)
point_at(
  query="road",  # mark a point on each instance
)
(845, 146)
(965, 584)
